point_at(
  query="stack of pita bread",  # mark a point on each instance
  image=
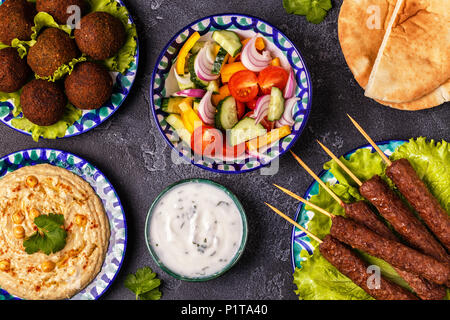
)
(398, 50)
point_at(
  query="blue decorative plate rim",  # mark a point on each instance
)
(117, 89)
(299, 215)
(82, 295)
(189, 27)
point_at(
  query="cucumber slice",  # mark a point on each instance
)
(276, 105)
(170, 105)
(226, 116)
(197, 46)
(199, 83)
(245, 130)
(213, 86)
(219, 61)
(177, 123)
(228, 40)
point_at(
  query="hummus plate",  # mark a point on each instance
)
(92, 255)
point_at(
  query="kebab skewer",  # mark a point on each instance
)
(416, 192)
(395, 211)
(425, 289)
(351, 265)
(395, 253)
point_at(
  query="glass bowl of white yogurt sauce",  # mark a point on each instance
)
(196, 230)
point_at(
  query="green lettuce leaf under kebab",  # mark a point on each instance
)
(317, 279)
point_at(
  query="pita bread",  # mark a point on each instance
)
(436, 98)
(414, 57)
(360, 37)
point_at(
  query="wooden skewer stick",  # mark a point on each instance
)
(312, 205)
(293, 222)
(373, 144)
(304, 165)
(340, 164)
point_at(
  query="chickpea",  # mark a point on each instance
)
(47, 266)
(31, 181)
(17, 218)
(5, 265)
(19, 232)
(80, 220)
(34, 213)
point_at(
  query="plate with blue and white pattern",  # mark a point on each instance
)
(108, 196)
(246, 26)
(89, 119)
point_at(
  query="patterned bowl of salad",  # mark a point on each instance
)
(230, 93)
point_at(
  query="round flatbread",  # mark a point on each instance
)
(361, 28)
(414, 57)
(64, 273)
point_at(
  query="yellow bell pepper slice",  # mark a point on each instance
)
(181, 59)
(229, 69)
(268, 138)
(276, 62)
(190, 118)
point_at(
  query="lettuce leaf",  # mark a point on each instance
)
(431, 160)
(57, 130)
(317, 279)
(123, 59)
(14, 97)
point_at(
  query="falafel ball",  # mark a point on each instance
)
(16, 20)
(89, 85)
(100, 36)
(52, 49)
(43, 102)
(58, 8)
(14, 71)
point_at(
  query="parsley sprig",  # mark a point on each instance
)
(144, 284)
(50, 237)
(314, 10)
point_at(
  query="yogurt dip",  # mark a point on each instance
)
(195, 229)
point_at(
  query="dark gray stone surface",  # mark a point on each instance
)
(130, 151)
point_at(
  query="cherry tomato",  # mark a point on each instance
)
(240, 109)
(205, 140)
(252, 104)
(243, 85)
(272, 76)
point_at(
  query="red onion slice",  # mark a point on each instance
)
(194, 93)
(288, 114)
(262, 108)
(206, 109)
(289, 90)
(252, 59)
(203, 66)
